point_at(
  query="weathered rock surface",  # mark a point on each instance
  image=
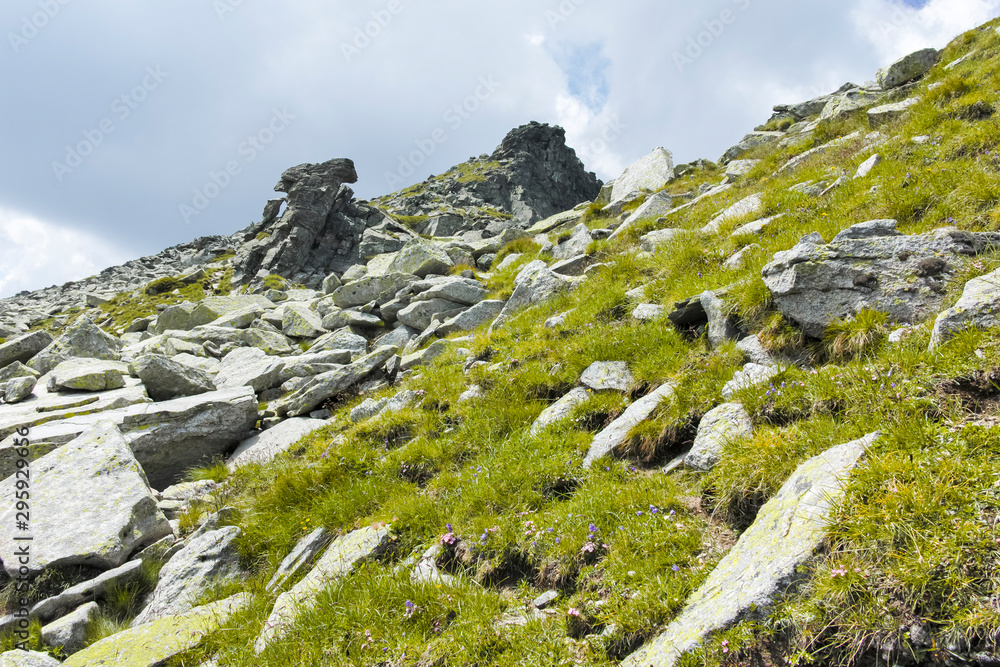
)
(209, 558)
(907, 68)
(559, 410)
(887, 113)
(91, 505)
(978, 308)
(420, 313)
(19, 658)
(380, 289)
(869, 266)
(327, 385)
(608, 375)
(23, 348)
(765, 562)
(165, 378)
(301, 557)
(75, 596)
(70, 632)
(473, 318)
(82, 339)
(153, 644)
(88, 375)
(617, 432)
(534, 284)
(339, 560)
(720, 425)
(249, 367)
(656, 239)
(299, 321)
(576, 244)
(752, 375)
(18, 389)
(749, 206)
(265, 446)
(650, 172)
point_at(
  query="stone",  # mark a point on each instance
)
(82, 339)
(23, 348)
(574, 266)
(553, 221)
(736, 262)
(608, 375)
(155, 643)
(87, 375)
(465, 291)
(91, 505)
(371, 408)
(380, 289)
(869, 266)
(264, 446)
(339, 319)
(749, 142)
(887, 113)
(722, 327)
(300, 321)
(241, 318)
(70, 632)
(165, 378)
(978, 308)
(473, 393)
(654, 240)
(301, 557)
(331, 283)
(719, 426)
(754, 352)
(866, 167)
(399, 337)
(421, 258)
(848, 101)
(545, 599)
(765, 563)
(819, 150)
(473, 318)
(249, 367)
(206, 560)
(650, 172)
(306, 365)
(343, 339)
(534, 284)
(17, 370)
(18, 389)
(616, 433)
(19, 658)
(268, 342)
(509, 260)
(907, 68)
(426, 570)
(752, 375)
(744, 208)
(647, 312)
(340, 559)
(737, 169)
(321, 387)
(757, 226)
(178, 317)
(559, 410)
(576, 244)
(420, 313)
(92, 589)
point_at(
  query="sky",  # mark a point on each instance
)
(131, 127)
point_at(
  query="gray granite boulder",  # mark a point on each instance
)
(465, 291)
(19, 658)
(650, 172)
(869, 266)
(720, 425)
(70, 631)
(301, 557)
(73, 597)
(380, 289)
(766, 562)
(165, 378)
(82, 339)
(744, 208)
(608, 375)
(473, 318)
(887, 113)
(249, 367)
(18, 389)
(559, 410)
(534, 284)
(419, 314)
(91, 505)
(576, 244)
(264, 446)
(319, 388)
(752, 375)
(23, 348)
(616, 433)
(907, 68)
(207, 559)
(978, 308)
(658, 238)
(300, 321)
(421, 258)
(87, 375)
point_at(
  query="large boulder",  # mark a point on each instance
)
(319, 388)
(473, 318)
(887, 113)
(82, 339)
(465, 291)
(339, 560)
(73, 597)
(155, 643)
(300, 321)
(534, 284)
(380, 289)
(263, 447)
(869, 266)
(907, 68)
(420, 313)
(249, 367)
(18, 389)
(576, 244)
(766, 561)
(207, 559)
(23, 348)
(165, 378)
(616, 433)
(70, 632)
(744, 208)
(719, 426)
(650, 172)
(978, 308)
(421, 258)
(748, 143)
(301, 557)
(656, 206)
(91, 505)
(20, 658)
(88, 375)
(608, 375)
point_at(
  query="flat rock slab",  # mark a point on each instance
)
(27, 659)
(720, 425)
(23, 348)
(534, 284)
(207, 559)
(744, 208)
(153, 644)
(339, 560)
(90, 505)
(765, 561)
(650, 172)
(263, 447)
(319, 388)
(979, 308)
(475, 317)
(88, 375)
(608, 375)
(872, 266)
(70, 632)
(71, 598)
(170, 437)
(559, 410)
(617, 432)
(299, 558)
(165, 378)
(249, 367)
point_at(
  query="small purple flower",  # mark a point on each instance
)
(675, 568)
(448, 527)
(639, 513)
(593, 528)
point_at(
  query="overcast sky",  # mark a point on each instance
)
(129, 127)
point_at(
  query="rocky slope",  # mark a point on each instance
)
(705, 414)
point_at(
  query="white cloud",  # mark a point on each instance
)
(896, 29)
(34, 254)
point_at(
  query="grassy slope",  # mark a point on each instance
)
(914, 544)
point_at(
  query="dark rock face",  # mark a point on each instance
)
(532, 175)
